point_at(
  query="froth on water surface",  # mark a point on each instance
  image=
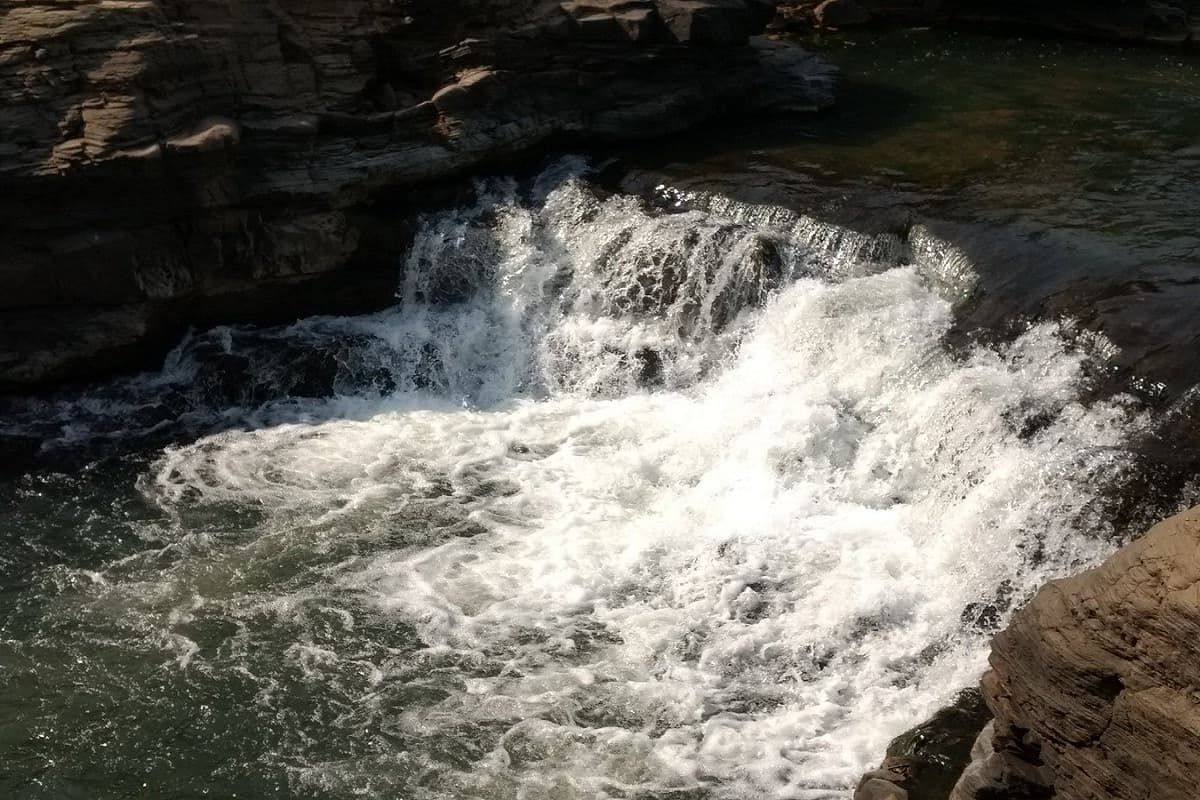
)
(615, 503)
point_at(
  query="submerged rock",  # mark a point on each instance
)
(1094, 683)
(167, 164)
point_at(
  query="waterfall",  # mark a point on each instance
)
(617, 501)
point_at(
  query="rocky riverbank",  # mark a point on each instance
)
(170, 164)
(1093, 686)
(1161, 21)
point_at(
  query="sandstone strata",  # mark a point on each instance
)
(1095, 685)
(1165, 21)
(166, 163)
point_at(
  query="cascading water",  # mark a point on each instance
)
(616, 503)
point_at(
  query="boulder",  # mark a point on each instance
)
(707, 22)
(879, 789)
(615, 20)
(1094, 683)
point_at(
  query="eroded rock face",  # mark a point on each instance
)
(1095, 685)
(166, 163)
(1165, 21)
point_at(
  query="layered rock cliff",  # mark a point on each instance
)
(1094, 691)
(167, 163)
(1164, 21)
(1095, 685)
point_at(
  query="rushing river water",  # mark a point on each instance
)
(629, 497)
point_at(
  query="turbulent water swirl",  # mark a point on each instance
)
(615, 503)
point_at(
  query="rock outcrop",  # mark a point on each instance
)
(1095, 685)
(168, 163)
(1165, 21)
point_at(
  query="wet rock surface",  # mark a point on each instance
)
(1093, 684)
(925, 762)
(167, 164)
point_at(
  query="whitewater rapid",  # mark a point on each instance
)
(625, 502)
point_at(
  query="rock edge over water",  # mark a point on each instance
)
(1093, 685)
(167, 164)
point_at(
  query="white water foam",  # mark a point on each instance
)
(732, 501)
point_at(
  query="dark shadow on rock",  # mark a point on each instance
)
(936, 751)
